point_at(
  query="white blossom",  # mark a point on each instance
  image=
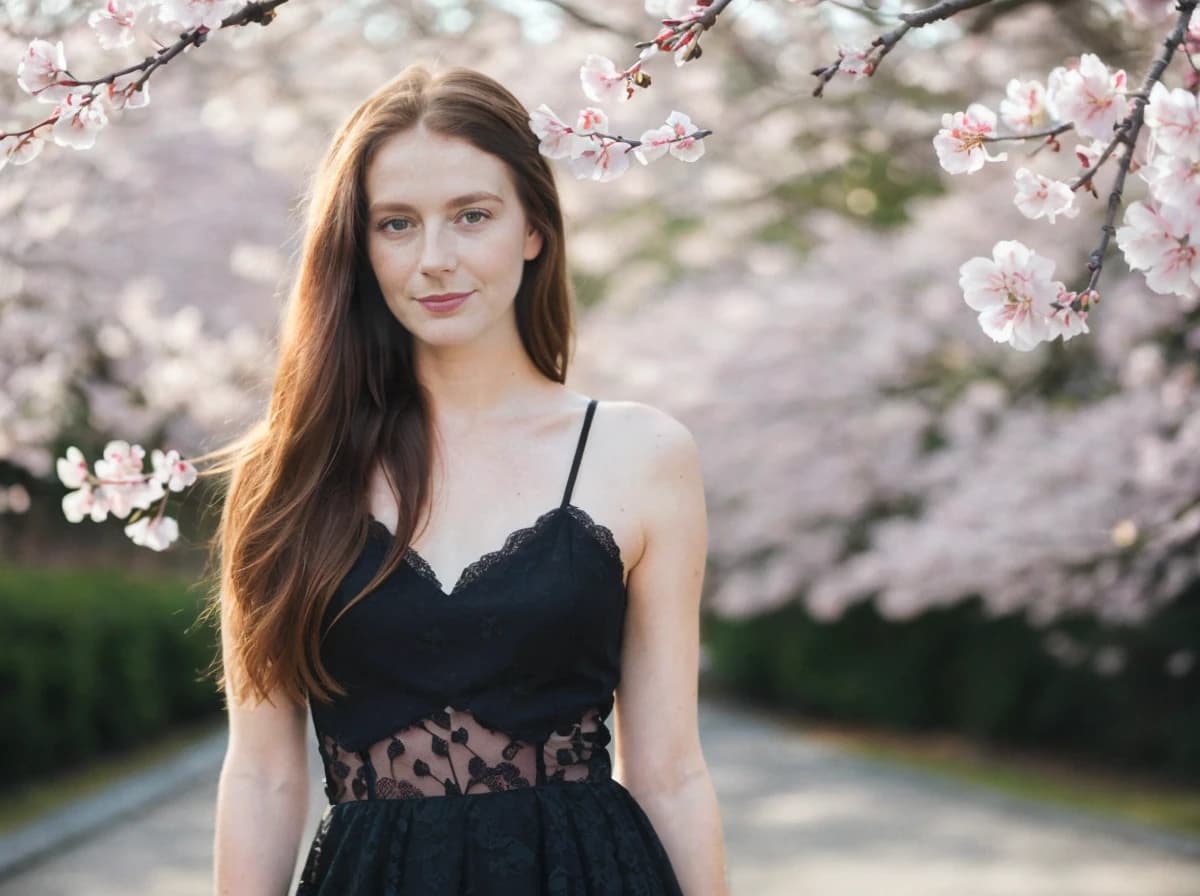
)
(41, 68)
(171, 470)
(602, 82)
(194, 13)
(72, 469)
(1012, 292)
(20, 150)
(1174, 118)
(155, 533)
(1089, 95)
(80, 119)
(959, 144)
(1023, 110)
(1039, 196)
(113, 24)
(558, 140)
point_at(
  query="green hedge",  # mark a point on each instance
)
(93, 662)
(954, 669)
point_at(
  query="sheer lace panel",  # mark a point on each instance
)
(451, 753)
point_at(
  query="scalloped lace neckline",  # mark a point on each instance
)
(515, 540)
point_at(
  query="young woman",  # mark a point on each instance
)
(458, 565)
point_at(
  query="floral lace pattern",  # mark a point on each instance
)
(515, 541)
(451, 753)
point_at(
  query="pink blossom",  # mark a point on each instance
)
(113, 24)
(595, 157)
(1012, 292)
(558, 140)
(195, 13)
(155, 533)
(1089, 95)
(1175, 180)
(855, 63)
(121, 460)
(80, 119)
(1174, 118)
(602, 82)
(1156, 239)
(88, 502)
(40, 70)
(666, 138)
(602, 160)
(72, 469)
(119, 94)
(1039, 196)
(1177, 271)
(1024, 110)
(1066, 322)
(1089, 155)
(20, 150)
(1149, 232)
(959, 144)
(171, 470)
(653, 144)
(591, 119)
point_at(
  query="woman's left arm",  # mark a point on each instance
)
(659, 758)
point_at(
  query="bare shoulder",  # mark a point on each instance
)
(653, 440)
(662, 477)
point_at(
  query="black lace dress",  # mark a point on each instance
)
(470, 755)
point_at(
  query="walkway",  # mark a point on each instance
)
(799, 818)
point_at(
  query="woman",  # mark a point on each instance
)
(459, 672)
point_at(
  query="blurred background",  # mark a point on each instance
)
(947, 580)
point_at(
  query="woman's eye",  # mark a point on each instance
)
(386, 225)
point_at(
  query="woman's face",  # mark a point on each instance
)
(431, 230)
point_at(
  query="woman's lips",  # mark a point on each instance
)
(444, 305)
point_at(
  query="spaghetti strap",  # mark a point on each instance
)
(587, 423)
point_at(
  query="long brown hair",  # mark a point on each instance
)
(345, 395)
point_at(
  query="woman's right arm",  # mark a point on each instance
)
(262, 795)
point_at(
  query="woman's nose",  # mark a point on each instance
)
(437, 253)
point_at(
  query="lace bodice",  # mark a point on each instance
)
(514, 543)
(504, 682)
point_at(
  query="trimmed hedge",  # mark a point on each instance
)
(93, 662)
(955, 669)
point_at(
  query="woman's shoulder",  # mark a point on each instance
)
(649, 437)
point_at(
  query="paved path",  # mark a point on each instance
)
(799, 818)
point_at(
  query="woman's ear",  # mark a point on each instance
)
(533, 244)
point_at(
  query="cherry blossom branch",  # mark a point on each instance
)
(83, 118)
(883, 44)
(261, 12)
(1050, 133)
(683, 35)
(1127, 132)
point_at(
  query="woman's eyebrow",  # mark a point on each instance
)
(477, 196)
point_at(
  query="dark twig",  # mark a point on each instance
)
(1127, 132)
(678, 32)
(885, 42)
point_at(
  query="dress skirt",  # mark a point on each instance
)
(572, 838)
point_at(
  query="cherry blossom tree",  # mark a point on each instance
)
(887, 427)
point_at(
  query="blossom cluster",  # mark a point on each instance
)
(596, 155)
(1018, 301)
(119, 486)
(81, 108)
